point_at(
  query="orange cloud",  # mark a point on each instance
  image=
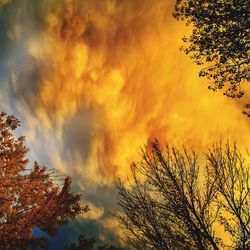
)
(119, 62)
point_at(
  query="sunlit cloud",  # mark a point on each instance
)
(116, 80)
(94, 81)
(95, 213)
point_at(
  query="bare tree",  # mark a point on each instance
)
(232, 175)
(173, 203)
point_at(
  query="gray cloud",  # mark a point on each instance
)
(77, 136)
(20, 79)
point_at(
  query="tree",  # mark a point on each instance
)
(29, 197)
(220, 39)
(232, 176)
(172, 203)
(89, 244)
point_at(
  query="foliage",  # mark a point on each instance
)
(90, 244)
(173, 203)
(220, 39)
(29, 197)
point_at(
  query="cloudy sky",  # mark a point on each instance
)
(93, 81)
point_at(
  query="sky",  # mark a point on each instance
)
(93, 82)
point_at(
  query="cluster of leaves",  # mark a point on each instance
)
(220, 39)
(171, 203)
(90, 244)
(29, 197)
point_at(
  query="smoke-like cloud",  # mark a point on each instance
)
(93, 81)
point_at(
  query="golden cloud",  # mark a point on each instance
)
(119, 62)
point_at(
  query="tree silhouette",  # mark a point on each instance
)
(29, 197)
(232, 176)
(89, 244)
(220, 39)
(173, 203)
